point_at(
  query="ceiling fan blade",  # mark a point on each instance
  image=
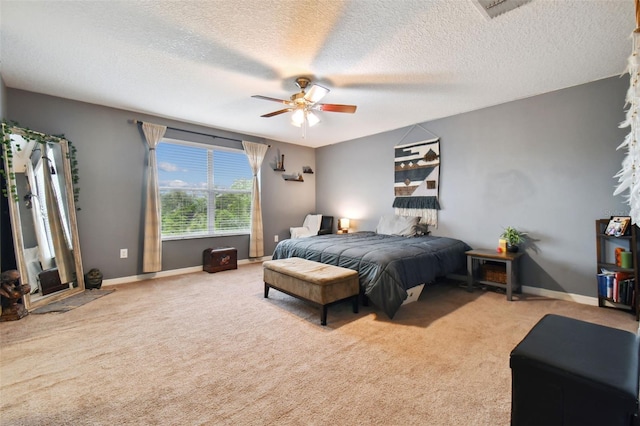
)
(282, 111)
(266, 98)
(316, 93)
(337, 108)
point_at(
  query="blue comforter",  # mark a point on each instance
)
(387, 265)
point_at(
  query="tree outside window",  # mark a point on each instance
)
(204, 190)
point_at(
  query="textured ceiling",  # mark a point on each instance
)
(401, 61)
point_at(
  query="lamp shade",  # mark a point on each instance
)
(343, 223)
(312, 119)
(297, 118)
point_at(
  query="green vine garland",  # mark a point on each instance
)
(11, 127)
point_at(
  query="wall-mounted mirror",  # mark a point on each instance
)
(43, 215)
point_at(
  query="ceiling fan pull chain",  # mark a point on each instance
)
(304, 126)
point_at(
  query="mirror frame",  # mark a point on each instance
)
(16, 222)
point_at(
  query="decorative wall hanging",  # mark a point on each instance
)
(417, 175)
(627, 176)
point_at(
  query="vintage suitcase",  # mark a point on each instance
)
(50, 281)
(219, 259)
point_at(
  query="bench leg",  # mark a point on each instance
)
(266, 290)
(323, 315)
(354, 301)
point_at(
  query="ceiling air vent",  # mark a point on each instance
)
(492, 8)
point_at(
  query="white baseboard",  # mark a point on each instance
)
(535, 291)
(173, 272)
(578, 298)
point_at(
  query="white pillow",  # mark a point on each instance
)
(397, 225)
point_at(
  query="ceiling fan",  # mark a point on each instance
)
(303, 104)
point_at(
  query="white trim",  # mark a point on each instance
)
(173, 272)
(578, 298)
(537, 291)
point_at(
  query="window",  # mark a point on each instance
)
(204, 190)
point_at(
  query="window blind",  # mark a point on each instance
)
(204, 190)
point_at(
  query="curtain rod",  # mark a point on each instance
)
(134, 121)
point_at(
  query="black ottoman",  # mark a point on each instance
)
(570, 372)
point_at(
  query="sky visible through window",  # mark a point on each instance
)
(181, 166)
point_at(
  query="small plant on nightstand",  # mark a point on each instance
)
(514, 238)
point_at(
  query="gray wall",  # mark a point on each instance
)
(111, 154)
(542, 164)
(3, 98)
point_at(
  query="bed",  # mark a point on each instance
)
(387, 265)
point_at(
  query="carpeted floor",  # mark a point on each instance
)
(208, 349)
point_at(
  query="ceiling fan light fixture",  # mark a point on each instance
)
(297, 118)
(302, 103)
(312, 118)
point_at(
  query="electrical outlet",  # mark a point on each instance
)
(124, 253)
(275, 238)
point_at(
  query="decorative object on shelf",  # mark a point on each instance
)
(307, 169)
(618, 250)
(280, 164)
(627, 176)
(343, 225)
(626, 259)
(293, 178)
(618, 226)
(514, 238)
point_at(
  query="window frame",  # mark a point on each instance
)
(210, 190)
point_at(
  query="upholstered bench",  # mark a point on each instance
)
(314, 282)
(571, 372)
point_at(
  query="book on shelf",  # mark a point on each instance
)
(617, 286)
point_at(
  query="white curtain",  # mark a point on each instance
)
(255, 153)
(152, 255)
(61, 245)
(44, 253)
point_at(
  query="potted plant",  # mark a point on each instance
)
(513, 238)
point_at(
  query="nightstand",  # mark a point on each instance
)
(477, 260)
